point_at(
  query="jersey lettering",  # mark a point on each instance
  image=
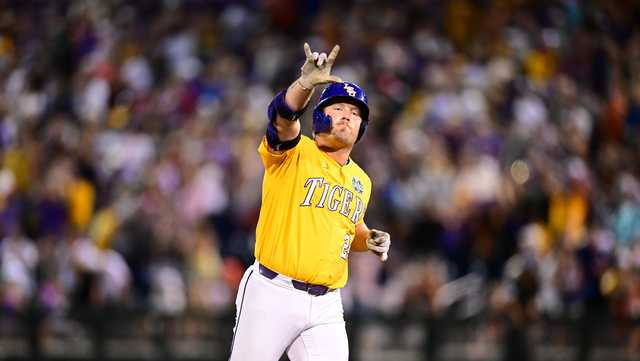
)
(348, 197)
(324, 195)
(333, 203)
(334, 197)
(312, 183)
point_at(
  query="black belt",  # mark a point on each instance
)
(315, 290)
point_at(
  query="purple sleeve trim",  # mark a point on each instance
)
(279, 106)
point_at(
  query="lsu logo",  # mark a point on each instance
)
(350, 90)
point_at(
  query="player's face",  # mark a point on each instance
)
(345, 122)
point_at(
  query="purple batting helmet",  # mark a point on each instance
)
(336, 93)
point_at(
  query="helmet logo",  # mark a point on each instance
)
(350, 90)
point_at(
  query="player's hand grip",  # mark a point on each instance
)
(379, 243)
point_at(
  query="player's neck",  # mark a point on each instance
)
(340, 155)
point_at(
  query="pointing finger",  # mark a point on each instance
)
(333, 54)
(307, 51)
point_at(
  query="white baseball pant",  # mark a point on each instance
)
(273, 317)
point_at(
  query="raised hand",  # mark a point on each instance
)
(316, 69)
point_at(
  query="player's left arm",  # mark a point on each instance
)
(373, 240)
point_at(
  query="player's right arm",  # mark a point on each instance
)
(283, 131)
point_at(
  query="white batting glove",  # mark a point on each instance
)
(379, 243)
(316, 69)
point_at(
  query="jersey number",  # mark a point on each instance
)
(346, 247)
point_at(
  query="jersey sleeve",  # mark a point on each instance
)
(271, 159)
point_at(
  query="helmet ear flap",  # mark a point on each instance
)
(363, 128)
(321, 122)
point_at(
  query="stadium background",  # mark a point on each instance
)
(503, 148)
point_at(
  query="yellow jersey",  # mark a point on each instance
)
(310, 208)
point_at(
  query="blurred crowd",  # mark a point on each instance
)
(503, 148)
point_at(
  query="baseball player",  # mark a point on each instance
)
(314, 198)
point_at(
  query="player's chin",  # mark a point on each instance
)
(345, 137)
(345, 142)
